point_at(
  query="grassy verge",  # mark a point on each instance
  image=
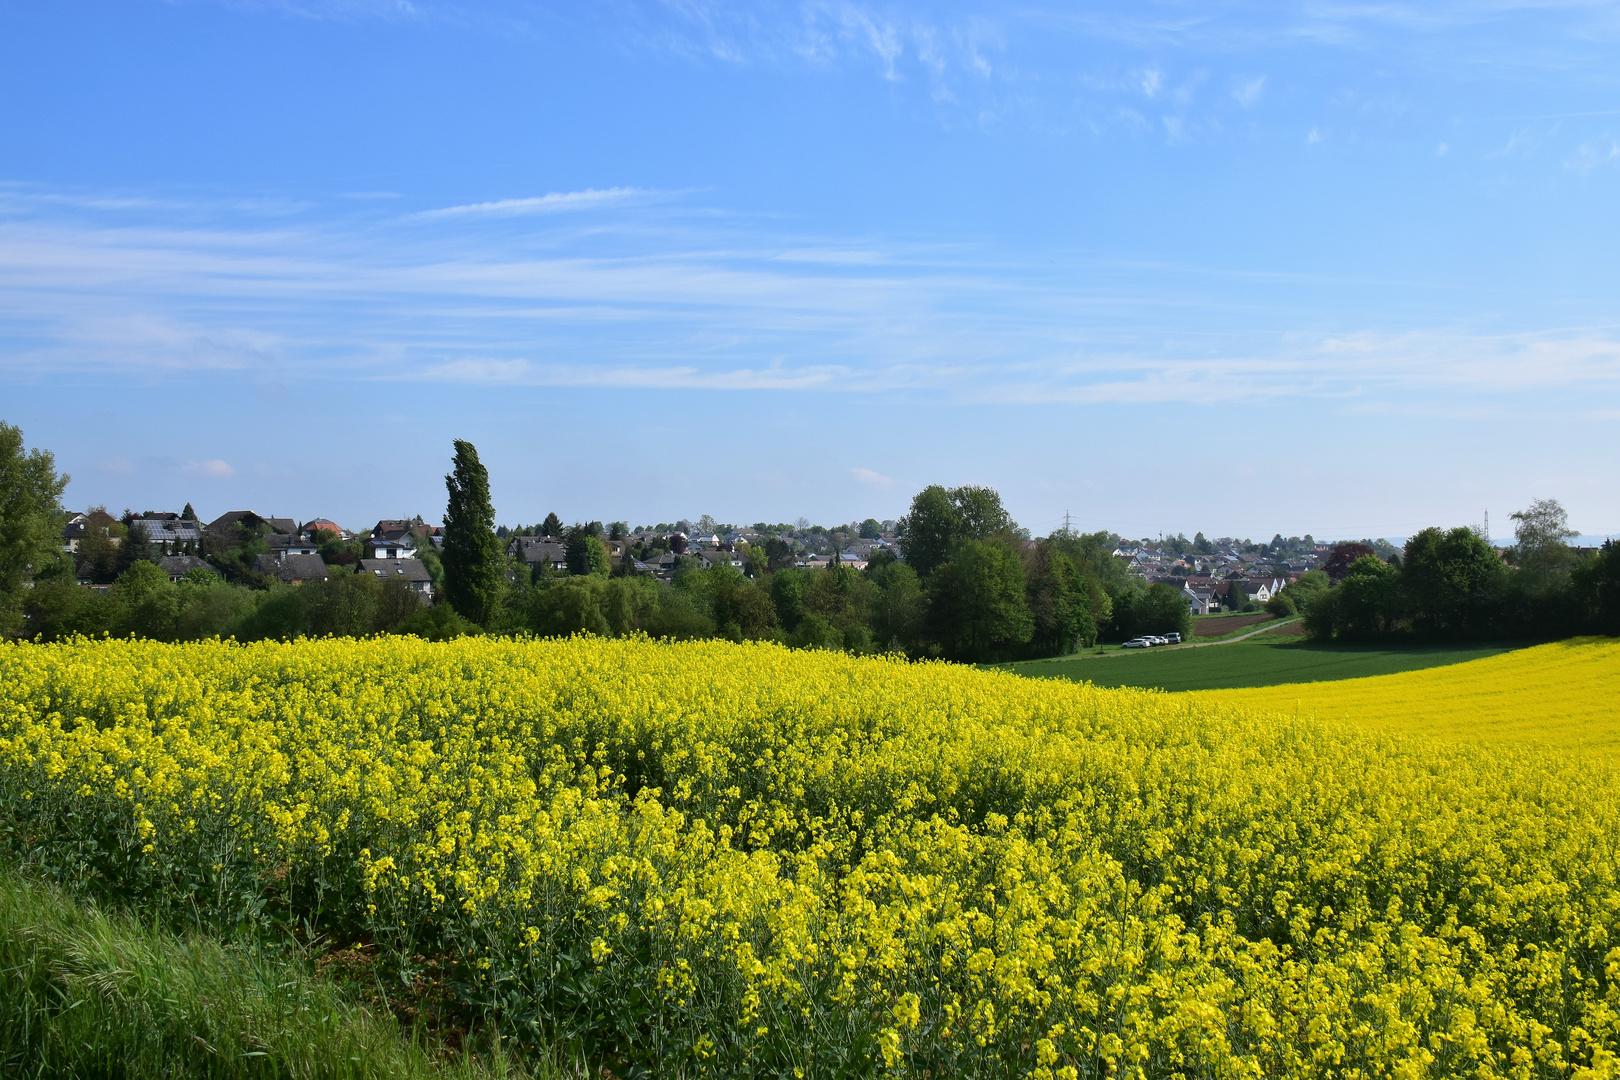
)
(86, 993)
(1263, 660)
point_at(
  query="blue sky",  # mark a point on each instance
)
(1341, 268)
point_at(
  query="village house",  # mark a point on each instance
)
(227, 522)
(412, 571)
(290, 544)
(79, 524)
(404, 548)
(398, 529)
(294, 569)
(170, 530)
(538, 551)
(322, 528)
(1201, 599)
(178, 566)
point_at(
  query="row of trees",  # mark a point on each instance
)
(1449, 585)
(143, 601)
(971, 586)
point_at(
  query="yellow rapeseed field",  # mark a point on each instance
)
(1564, 695)
(711, 859)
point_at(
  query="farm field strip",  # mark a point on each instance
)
(1269, 658)
(1565, 694)
(1216, 626)
(710, 859)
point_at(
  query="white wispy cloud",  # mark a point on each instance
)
(1248, 91)
(552, 202)
(1594, 153)
(833, 256)
(632, 377)
(869, 476)
(213, 468)
(706, 307)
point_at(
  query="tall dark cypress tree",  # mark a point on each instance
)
(472, 555)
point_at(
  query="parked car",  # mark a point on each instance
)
(1173, 638)
(1155, 639)
(1137, 643)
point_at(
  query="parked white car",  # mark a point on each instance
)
(1137, 643)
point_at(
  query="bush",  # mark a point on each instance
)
(437, 623)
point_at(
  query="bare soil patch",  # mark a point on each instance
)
(1228, 624)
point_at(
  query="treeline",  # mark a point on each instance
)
(144, 602)
(971, 586)
(1452, 585)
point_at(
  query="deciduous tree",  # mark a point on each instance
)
(586, 553)
(1451, 582)
(30, 518)
(1341, 557)
(1057, 594)
(1598, 584)
(942, 518)
(976, 602)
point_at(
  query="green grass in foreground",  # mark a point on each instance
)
(1254, 662)
(88, 994)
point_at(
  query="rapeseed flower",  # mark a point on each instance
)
(726, 860)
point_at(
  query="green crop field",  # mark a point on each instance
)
(1257, 661)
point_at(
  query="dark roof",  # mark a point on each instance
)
(535, 549)
(223, 524)
(170, 528)
(394, 528)
(405, 569)
(79, 524)
(177, 566)
(292, 567)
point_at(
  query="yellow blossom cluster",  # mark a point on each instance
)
(1566, 695)
(711, 859)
